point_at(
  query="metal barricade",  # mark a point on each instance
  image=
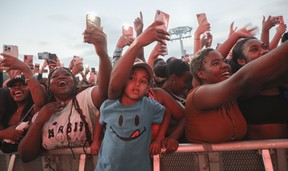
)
(266, 155)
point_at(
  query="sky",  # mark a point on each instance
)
(56, 26)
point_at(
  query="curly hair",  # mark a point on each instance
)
(197, 62)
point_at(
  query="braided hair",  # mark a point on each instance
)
(75, 104)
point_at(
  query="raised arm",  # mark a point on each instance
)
(279, 32)
(98, 38)
(225, 47)
(122, 69)
(266, 26)
(261, 73)
(138, 26)
(197, 34)
(35, 87)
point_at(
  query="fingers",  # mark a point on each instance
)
(141, 16)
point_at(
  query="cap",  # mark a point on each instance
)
(140, 63)
(17, 78)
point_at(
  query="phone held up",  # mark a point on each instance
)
(277, 19)
(92, 21)
(28, 59)
(11, 50)
(127, 31)
(164, 17)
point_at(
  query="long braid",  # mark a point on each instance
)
(75, 104)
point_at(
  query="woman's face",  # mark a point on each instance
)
(62, 83)
(253, 49)
(183, 82)
(19, 92)
(215, 68)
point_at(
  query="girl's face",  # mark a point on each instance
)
(253, 49)
(137, 85)
(215, 68)
(62, 83)
(19, 92)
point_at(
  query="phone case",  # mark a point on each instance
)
(28, 59)
(162, 16)
(127, 31)
(201, 17)
(11, 50)
(92, 21)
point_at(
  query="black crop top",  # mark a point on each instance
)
(264, 109)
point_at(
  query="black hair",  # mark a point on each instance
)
(284, 37)
(237, 53)
(197, 62)
(75, 104)
(10, 107)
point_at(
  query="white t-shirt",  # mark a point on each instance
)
(56, 128)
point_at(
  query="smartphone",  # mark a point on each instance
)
(278, 19)
(52, 57)
(93, 21)
(43, 55)
(93, 70)
(127, 31)
(201, 17)
(28, 59)
(77, 60)
(164, 17)
(36, 68)
(11, 50)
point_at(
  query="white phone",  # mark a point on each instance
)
(92, 21)
(11, 50)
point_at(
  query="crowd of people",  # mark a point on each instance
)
(235, 91)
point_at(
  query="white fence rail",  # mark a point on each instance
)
(263, 155)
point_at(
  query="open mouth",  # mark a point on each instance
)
(18, 93)
(62, 84)
(226, 74)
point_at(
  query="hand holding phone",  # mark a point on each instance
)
(164, 17)
(277, 19)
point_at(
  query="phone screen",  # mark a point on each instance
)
(11, 50)
(43, 55)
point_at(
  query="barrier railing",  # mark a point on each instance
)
(266, 155)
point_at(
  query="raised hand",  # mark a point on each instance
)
(138, 24)
(98, 38)
(153, 33)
